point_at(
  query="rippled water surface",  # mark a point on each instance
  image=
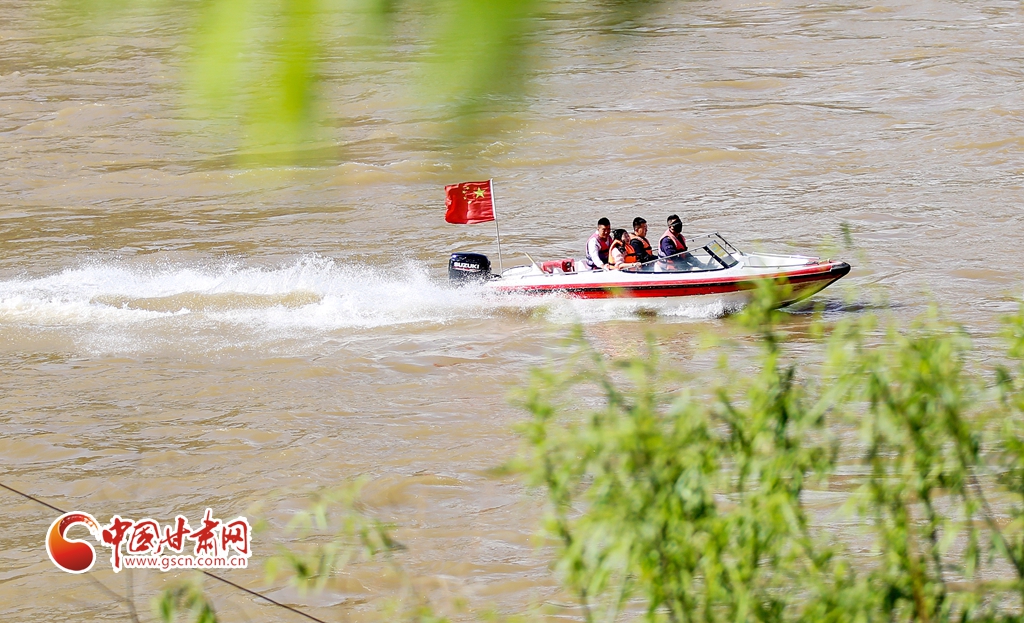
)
(179, 332)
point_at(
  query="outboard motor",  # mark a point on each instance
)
(464, 267)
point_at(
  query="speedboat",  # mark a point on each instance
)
(711, 271)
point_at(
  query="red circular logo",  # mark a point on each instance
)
(73, 556)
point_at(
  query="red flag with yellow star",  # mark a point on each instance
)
(469, 203)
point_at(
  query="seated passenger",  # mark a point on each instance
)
(617, 251)
(638, 249)
(673, 246)
(598, 246)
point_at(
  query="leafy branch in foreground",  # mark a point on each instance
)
(698, 505)
(332, 533)
(187, 596)
(271, 70)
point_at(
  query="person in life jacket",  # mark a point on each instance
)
(638, 249)
(618, 252)
(598, 246)
(673, 243)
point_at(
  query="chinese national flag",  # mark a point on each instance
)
(469, 203)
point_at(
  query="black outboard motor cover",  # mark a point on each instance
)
(463, 267)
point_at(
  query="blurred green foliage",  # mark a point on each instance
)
(266, 67)
(698, 505)
(696, 501)
(187, 596)
(332, 533)
(335, 533)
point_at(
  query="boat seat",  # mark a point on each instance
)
(567, 265)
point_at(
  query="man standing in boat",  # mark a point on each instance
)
(638, 249)
(598, 245)
(673, 243)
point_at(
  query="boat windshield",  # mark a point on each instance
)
(706, 252)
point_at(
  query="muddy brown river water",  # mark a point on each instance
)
(179, 332)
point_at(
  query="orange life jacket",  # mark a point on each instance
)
(679, 242)
(630, 250)
(616, 244)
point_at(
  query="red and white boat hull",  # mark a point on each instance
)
(718, 274)
(792, 285)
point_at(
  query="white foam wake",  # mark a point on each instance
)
(312, 292)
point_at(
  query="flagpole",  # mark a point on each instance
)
(494, 207)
